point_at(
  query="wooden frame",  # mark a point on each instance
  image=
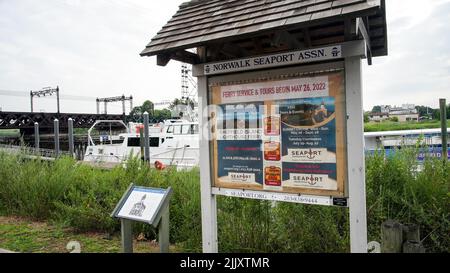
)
(336, 77)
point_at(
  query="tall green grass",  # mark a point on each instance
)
(409, 125)
(83, 197)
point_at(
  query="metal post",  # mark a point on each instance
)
(123, 104)
(36, 136)
(146, 138)
(31, 100)
(71, 142)
(163, 231)
(208, 200)
(355, 156)
(127, 235)
(443, 106)
(131, 103)
(98, 106)
(57, 98)
(56, 132)
(141, 138)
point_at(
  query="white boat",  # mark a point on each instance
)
(430, 141)
(174, 142)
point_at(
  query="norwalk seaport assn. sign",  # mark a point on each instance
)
(288, 58)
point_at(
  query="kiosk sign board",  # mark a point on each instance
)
(283, 135)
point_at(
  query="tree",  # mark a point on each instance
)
(154, 115)
(186, 101)
(376, 109)
(424, 111)
(437, 113)
(366, 117)
(393, 119)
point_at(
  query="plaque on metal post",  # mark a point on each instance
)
(147, 205)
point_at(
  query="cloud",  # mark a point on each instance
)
(416, 70)
(91, 48)
(88, 48)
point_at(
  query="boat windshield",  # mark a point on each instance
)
(183, 129)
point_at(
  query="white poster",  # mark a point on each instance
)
(142, 204)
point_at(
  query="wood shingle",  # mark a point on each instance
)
(214, 22)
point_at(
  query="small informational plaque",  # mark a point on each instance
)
(142, 204)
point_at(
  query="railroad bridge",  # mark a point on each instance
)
(25, 120)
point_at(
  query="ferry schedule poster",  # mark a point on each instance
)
(282, 135)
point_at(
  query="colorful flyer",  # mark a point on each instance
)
(281, 135)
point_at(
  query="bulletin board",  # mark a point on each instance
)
(281, 134)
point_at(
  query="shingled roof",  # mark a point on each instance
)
(291, 23)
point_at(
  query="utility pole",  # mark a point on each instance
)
(44, 92)
(57, 98)
(184, 82)
(71, 138)
(146, 138)
(114, 99)
(31, 99)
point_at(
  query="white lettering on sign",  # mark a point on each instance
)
(287, 89)
(296, 57)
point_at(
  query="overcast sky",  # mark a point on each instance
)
(90, 48)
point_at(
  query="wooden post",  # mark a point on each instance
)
(391, 237)
(355, 154)
(411, 239)
(411, 233)
(413, 247)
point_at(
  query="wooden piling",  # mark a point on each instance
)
(391, 237)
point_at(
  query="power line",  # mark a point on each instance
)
(17, 93)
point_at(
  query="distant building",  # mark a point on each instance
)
(406, 112)
(378, 116)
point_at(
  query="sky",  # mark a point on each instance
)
(90, 49)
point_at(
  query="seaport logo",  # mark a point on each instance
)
(242, 177)
(336, 52)
(305, 153)
(308, 155)
(309, 179)
(207, 69)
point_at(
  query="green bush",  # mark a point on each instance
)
(82, 197)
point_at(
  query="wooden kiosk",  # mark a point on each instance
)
(280, 99)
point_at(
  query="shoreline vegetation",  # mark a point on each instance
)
(74, 196)
(368, 127)
(398, 126)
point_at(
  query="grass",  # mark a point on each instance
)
(77, 200)
(393, 126)
(9, 133)
(24, 235)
